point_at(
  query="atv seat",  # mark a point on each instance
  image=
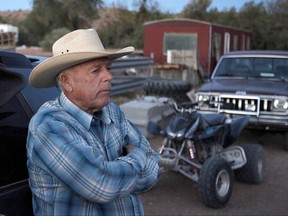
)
(214, 119)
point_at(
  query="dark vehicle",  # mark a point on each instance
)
(18, 102)
(253, 84)
(200, 147)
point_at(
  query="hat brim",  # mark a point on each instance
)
(44, 74)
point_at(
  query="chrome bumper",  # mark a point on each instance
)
(267, 122)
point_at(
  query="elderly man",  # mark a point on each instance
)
(84, 156)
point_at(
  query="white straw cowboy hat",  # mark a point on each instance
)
(73, 48)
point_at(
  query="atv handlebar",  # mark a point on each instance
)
(188, 107)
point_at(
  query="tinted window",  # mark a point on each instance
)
(36, 96)
(13, 134)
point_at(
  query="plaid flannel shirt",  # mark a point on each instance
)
(72, 172)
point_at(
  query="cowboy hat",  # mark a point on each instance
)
(73, 48)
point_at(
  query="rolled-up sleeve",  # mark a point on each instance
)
(150, 173)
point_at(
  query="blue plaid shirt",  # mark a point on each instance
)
(73, 172)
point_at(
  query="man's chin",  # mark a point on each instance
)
(105, 101)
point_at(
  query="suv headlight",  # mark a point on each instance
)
(203, 98)
(280, 105)
(207, 101)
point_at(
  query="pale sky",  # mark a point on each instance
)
(173, 6)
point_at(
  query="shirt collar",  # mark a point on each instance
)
(81, 116)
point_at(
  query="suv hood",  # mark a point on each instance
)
(245, 86)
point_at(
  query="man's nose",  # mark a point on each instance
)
(108, 74)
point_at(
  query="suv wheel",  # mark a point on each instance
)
(285, 140)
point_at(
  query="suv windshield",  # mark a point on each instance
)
(253, 67)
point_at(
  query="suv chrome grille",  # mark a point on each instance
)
(242, 104)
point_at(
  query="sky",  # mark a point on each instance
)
(173, 6)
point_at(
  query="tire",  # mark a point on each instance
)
(176, 89)
(253, 171)
(285, 140)
(215, 183)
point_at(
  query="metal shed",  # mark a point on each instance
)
(209, 40)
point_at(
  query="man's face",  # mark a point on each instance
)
(91, 85)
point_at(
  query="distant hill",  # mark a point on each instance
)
(10, 16)
(106, 15)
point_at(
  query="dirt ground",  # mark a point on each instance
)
(175, 194)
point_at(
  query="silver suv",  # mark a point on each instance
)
(250, 83)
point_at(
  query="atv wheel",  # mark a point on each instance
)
(215, 182)
(253, 171)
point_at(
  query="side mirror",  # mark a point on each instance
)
(154, 129)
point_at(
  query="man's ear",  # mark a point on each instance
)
(66, 81)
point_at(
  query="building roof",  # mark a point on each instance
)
(192, 21)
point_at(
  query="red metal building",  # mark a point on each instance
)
(208, 39)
